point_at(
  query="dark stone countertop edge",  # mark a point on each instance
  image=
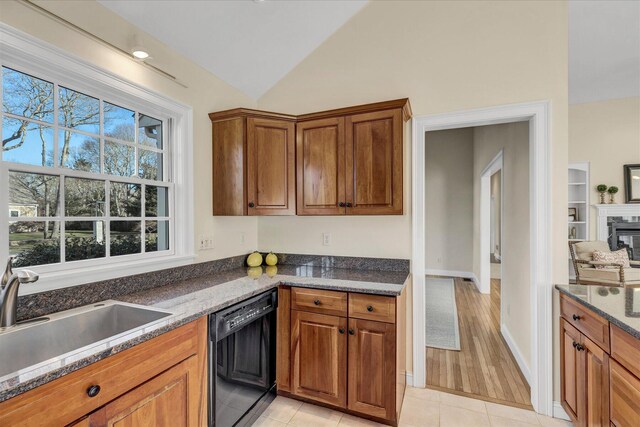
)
(613, 319)
(82, 363)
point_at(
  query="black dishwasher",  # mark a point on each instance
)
(242, 360)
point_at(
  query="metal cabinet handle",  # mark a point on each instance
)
(580, 347)
(575, 344)
(93, 391)
(349, 205)
(351, 332)
(342, 204)
(576, 317)
(251, 204)
(316, 302)
(341, 330)
(369, 308)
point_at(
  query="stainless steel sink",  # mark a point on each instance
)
(63, 334)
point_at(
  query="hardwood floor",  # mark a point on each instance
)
(484, 368)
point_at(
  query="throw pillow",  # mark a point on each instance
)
(620, 257)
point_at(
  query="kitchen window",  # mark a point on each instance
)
(89, 172)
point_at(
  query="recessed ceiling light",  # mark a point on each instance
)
(140, 54)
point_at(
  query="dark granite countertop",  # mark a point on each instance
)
(199, 296)
(620, 306)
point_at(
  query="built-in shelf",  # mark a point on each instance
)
(578, 202)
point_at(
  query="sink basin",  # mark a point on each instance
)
(63, 334)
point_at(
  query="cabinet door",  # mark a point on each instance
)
(320, 155)
(229, 186)
(596, 385)
(372, 362)
(571, 375)
(270, 167)
(170, 399)
(625, 397)
(374, 163)
(319, 352)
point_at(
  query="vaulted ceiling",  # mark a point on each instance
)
(253, 44)
(604, 50)
(249, 44)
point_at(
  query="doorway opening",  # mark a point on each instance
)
(481, 353)
(538, 349)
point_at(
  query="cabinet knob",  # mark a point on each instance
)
(576, 317)
(93, 391)
(341, 330)
(251, 204)
(349, 205)
(580, 347)
(352, 332)
(342, 204)
(369, 308)
(575, 344)
(316, 301)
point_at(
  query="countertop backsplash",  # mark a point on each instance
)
(43, 303)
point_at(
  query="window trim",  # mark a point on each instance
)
(31, 55)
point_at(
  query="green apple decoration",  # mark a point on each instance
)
(254, 260)
(271, 259)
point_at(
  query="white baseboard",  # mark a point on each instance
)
(409, 378)
(517, 354)
(454, 273)
(559, 412)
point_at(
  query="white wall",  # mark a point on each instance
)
(204, 92)
(513, 139)
(607, 135)
(449, 200)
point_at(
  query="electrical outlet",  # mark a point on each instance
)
(206, 242)
(508, 309)
(242, 237)
(326, 239)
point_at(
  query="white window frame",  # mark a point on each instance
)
(27, 54)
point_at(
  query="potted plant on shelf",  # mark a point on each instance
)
(602, 189)
(612, 193)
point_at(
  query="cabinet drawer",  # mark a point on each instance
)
(586, 321)
(624, 397)
(318, 301)
(372, 307)
(625, 349)
(65, 400)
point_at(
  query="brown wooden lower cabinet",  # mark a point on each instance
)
(344, 361)
(597, 385)
(161, 382)
(372, 359)
(319, 356)
(170, 399)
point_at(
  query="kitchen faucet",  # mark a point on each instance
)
(9, 293)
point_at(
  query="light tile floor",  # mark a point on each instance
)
(421, 408)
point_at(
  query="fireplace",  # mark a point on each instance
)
(626, 235)
(619, 225)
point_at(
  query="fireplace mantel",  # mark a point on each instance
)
(606, 211)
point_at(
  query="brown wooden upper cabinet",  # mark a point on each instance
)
(348, 161)
(253, 163)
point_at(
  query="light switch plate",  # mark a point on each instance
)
(326, 239)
